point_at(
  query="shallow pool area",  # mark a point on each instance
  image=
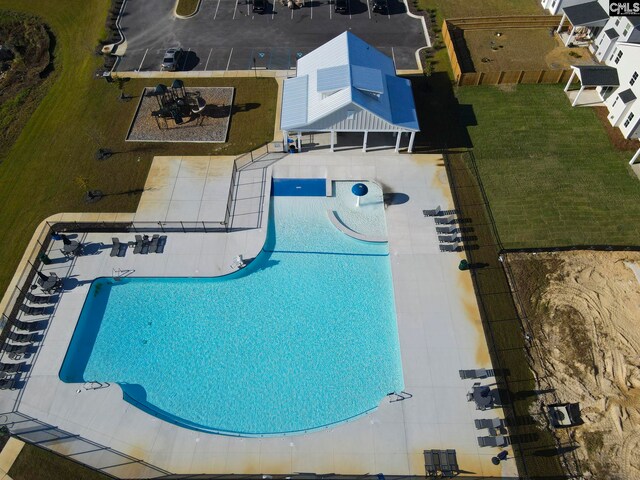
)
(303, 338)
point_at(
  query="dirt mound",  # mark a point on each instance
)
(28, 41)
(583, 309)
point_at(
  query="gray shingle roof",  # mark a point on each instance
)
(589, 13)
(598, 76)
(627, 96)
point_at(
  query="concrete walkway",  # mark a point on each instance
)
(438, 324)
(8, 456)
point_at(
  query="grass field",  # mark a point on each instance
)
(520, 49)
(550, 173)
(481, 8)
(35, 463)
(41, 173)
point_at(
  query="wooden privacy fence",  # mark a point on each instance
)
(514, 77)
(453, 37)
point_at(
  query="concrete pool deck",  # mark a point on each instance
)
(438, 323)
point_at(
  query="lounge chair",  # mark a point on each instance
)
(22, 337)
(27, 310)
(153, 246)
(39, 299)
(447, 238)
(452, 459)
(115, 248)
(11, 367)
(8, 384)
(145, 245)
(429, 464)
(475, 373)
(139, 244)
(162, 241)
(30, 326)
(499, 441)
(19, 351)
(489, 423)
(445, 220)
(448, 229)
(445, 468)
(449, 247)
(432, 213)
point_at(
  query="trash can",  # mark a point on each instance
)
(464, 265)
(44, 258)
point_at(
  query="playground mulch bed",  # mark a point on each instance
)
(210, 126)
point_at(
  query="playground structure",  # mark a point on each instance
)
(176, 103)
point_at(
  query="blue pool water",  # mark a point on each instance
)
(302, 338)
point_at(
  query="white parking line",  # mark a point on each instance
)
(349, 5)
(248, 12)
(273, 10)
(393, 56)
(229, 61)
(330, 10)
(207, 64)
(368, 9)
(234, 10)
(311, 5)
(145, 56)
(292, 14)
(217, 7)
(388, 14)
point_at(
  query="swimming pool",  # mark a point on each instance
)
(302, 338)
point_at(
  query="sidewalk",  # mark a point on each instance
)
(8, 455)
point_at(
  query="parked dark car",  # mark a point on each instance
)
(259, 6)
(341, 6)
(380, 6)
(172, 58)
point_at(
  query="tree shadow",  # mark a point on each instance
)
(395, 7)
(356, 7)
(191, 61)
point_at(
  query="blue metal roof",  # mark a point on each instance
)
(368, 79)
(294, 102)
(333, 78)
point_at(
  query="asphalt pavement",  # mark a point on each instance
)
(228, 35)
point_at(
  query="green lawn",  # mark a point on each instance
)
(549, 171)
(482, 8)
(35, 463)
(79, 114)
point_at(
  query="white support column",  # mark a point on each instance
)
(364, 142)
(635, 158)
(573, 75)
(564, 17)
(299, 141)
(570, 37)
(575, 100)
(333, 139)
(285, 141)
(398, 137)
(411, 139)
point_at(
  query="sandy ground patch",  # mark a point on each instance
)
(583, 310)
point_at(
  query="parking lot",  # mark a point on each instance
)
(228, 35)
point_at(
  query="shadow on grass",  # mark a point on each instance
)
(443, 121)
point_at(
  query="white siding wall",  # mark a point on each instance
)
(618, 111)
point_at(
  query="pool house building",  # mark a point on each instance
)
(346, 85)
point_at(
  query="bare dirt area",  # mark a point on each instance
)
(521, 49)
(25, 62)
(583, 312)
